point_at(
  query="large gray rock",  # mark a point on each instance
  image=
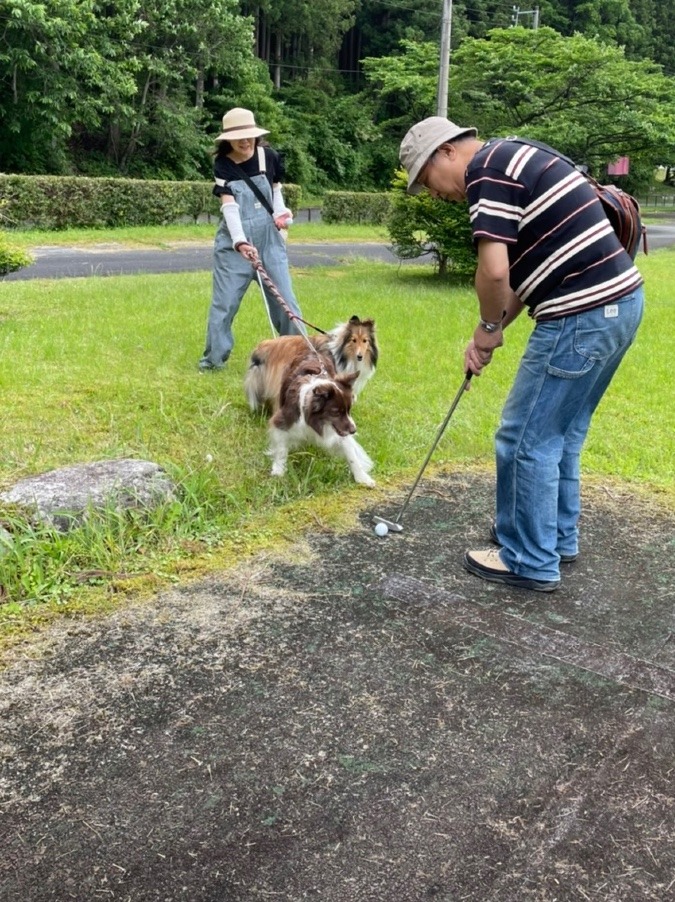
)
(63, 497)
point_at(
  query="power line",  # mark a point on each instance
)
(506, 5)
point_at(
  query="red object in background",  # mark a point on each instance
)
(619, 167)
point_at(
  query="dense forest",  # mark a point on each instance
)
(137, 87)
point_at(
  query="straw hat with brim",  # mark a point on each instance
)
(239, 123)
(421, 142)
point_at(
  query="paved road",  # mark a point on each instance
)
(112, 260)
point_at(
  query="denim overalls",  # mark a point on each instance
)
(232, 274)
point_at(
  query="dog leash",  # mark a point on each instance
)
(264, 277)
(266, 305)
(293, 317)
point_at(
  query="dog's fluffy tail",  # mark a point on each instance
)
(254, 382)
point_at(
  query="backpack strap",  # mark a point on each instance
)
(621, 208)
(541, 146)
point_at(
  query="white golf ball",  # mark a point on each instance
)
(381, 529)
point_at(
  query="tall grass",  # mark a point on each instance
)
(107, 367)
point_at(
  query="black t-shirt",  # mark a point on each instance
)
(224, 170)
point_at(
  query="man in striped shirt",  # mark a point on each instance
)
(544, 244)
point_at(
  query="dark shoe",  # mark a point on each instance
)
(564, 558)
(488, 565)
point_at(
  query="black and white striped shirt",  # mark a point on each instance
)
(563, 253)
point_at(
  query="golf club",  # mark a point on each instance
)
(395, 525)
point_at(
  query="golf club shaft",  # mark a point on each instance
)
(444, 424)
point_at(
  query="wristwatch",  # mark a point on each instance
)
(489, 327)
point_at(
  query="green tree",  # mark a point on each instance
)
(407, 83)
(610, 21)
(333, 133)
(182, 43)
(421, 224)
(381, 25)
(115, 87)
(63, 63)
(579, 94)
(644, 28)
(297, 36)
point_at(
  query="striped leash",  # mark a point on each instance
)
(293, 317)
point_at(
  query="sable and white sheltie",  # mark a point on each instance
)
(310, 402)
(352, 346)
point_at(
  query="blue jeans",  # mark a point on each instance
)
(566, 368)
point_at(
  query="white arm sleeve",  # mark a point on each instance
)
(279, 208)
(232, 219)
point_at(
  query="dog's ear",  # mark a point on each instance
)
(347, 379)
(309, 369)
(368, 324)
(323, 391)
(320, 399)
(354, 320)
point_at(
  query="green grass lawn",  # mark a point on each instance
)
(202, 233)
(107, 367)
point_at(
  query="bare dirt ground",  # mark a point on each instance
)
(362, 720)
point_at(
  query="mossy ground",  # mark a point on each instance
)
(289, 729)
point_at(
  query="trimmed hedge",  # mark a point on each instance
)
(356, 207)
(60, 202)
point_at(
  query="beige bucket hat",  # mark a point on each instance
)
(240, 123)
(422, 140)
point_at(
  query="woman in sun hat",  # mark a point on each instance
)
(248, 182)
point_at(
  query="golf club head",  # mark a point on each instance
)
(390, 524)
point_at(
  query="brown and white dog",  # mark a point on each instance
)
(352, 346)
(310, 402)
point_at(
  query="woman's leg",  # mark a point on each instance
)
(231, 277)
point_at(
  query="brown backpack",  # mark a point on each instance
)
(621, 208)
(623, 211)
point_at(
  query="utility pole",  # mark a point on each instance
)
(518, 12)
(444, 66)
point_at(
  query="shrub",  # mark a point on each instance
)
(12, 258)
(420, 224)
(356, 207)
(292, 195)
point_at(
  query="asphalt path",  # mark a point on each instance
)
(53, 262)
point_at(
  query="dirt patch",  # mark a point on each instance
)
(306, 729)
